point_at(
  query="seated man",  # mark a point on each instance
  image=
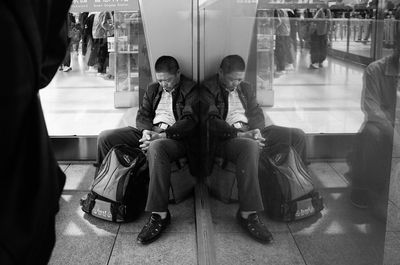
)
(376, 143)
(164, 122)
(236, 124)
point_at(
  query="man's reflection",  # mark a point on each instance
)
(370, 161)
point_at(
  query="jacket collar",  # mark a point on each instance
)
(180, 84)
(225, 90)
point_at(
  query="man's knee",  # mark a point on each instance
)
(374, 133)
(299, 136)
(104, 137)
(248, 147)
(156, 147)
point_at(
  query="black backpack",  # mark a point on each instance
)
(286, 186)
(119, 190)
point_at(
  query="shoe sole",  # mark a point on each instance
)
(361, 206)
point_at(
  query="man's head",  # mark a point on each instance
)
(167, 72)
(231, 71)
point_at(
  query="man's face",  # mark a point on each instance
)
(231, 80)
(167, 80)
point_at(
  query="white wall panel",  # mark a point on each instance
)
(168, 31)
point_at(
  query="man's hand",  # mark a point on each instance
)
(149, 136)
(254, 134)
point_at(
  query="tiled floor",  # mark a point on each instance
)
(324, 100)
(340, 234)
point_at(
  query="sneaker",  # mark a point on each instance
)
(91, 70)
(108, 77)
(359, 198)
(67, 68)
(255, 227)
(153, 229)
(314, 66)
(289, 67)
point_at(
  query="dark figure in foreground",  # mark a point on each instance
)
(238, 134)
(31, 179)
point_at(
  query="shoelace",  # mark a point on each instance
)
(256, 218)
(152, 225)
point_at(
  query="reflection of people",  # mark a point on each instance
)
(101, 26)
(164, 123)
(66, 65)
(370, 161)
(236, 124)
(319, 38)
(283, 54)
(31, 179)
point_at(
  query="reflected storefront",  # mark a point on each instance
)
(337, 98)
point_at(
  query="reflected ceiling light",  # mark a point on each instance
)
(73, 229)
(334, 228)
(95, 225)
(336, 196)
(363, 228)
(66, 198)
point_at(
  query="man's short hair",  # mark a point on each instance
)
(232, 63)
(167, 64)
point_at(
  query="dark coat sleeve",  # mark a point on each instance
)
(212, 115)
(254, 113)
(145, 115)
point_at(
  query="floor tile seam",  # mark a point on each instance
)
(113, 245)
(245, 233)
(84, 87)
(333, 189)
(85, 111)
(338, 173)
(312, 109)
(297, 245)
(316, 84)
(164, 232)
(393, 231)
(394, 204)
(66, 192)
(80, 163)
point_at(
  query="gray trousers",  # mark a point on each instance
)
(160, 154)
(244, 153)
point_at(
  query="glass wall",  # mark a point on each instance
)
(292, 53)
(326, 68)
(97, 85)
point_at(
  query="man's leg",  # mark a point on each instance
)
(314, 48)
(245, 154)
(280, 53)
(370, 164)
(109, 138)
(295, 137)
(160, 154)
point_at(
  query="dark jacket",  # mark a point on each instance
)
(30, 176)
(185, 102)
(216, 99)
(214, 106)
(380, 82)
